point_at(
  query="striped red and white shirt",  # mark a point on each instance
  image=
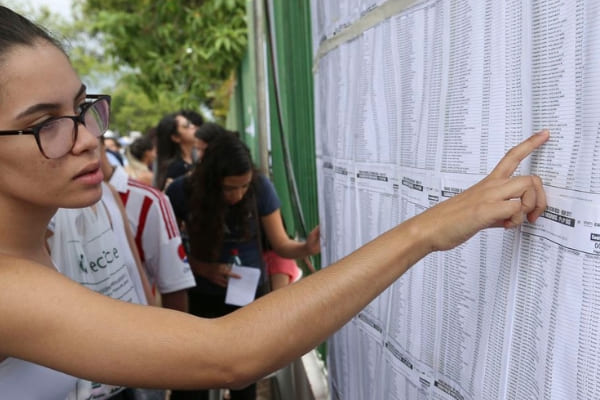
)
(156, 233)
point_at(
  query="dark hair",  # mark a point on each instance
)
(140, 146)
(17, 30)
(209, 131)
(225, 156)
(113, 139)
(192, 116)
(166, 149)
(151, 134)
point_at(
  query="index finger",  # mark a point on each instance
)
(509, 163)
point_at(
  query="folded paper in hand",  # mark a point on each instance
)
(242, 291)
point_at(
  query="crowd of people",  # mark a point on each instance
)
(168, 241)
(98, 242)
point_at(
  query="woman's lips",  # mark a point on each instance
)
(91, 175)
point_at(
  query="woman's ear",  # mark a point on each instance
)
(175, 138)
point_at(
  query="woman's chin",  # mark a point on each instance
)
(90, 197)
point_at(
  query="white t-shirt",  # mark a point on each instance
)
(22, 380)
(156, 233)
(91, 248)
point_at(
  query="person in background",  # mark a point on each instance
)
(112, 144)
(205, 134)
(53, 328)
(175, 148)
(140, 155)
(227, 205)
(193, 116)
(156, 236)
(113, 148)
(282, 271)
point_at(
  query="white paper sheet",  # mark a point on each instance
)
(242, 291)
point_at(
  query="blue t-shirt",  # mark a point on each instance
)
(267, 202)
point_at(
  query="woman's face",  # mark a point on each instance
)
(235, 187)
(111, 144)
(37, 83)
(185, 131)
(149, 156)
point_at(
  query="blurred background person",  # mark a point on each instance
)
(175, 148)
(193, 116)
(113, 149)
(227, 204)
(140, 155)
(156, 236)
(205, 134)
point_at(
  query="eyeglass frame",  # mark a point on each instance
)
(77, 119)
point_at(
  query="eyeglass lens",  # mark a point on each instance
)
(57, 137)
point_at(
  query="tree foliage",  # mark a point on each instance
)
(186, 48)
(133, 110)
(153, 57)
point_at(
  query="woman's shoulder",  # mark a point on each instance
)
(177, 191)
(17, 273)
(267, 198)
(176, 185)
(9, 264)
(263, 182)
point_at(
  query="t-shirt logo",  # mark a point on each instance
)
(181, 253)
(106, 257)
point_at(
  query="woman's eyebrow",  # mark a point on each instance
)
(47, 106)
(81, 92)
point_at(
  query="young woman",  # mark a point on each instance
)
(49, 158)
(175, 148)
(227, 206)
(282, 271)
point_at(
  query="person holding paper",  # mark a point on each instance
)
(226, 204)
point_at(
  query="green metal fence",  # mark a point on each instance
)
(291, 109)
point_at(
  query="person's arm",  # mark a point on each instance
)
(282, 244)
(67, 327)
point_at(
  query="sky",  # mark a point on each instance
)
(62, 7)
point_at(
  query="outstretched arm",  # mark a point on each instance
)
(69, 328)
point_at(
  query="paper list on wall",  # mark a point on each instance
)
(565, 83)
(552, 340)
(340, 363)
(411, 326)
(417, 77)
(431, 99)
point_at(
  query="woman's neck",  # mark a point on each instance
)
(23, 230)
(186, 153)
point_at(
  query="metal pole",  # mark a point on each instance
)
(262, 110)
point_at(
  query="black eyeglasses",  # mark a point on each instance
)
(56, 137)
